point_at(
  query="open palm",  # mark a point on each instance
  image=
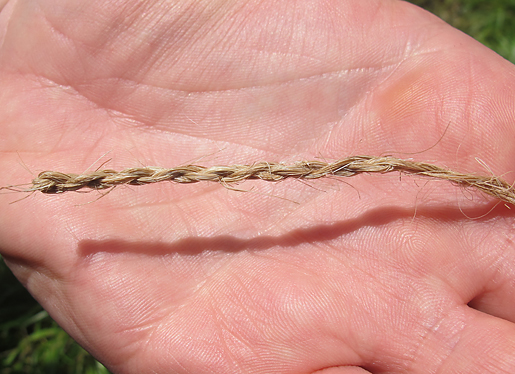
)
(379, 274)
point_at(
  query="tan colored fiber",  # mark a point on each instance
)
(53, 182)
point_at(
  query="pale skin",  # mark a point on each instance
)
(380, 274)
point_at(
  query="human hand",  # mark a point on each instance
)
(382, 275)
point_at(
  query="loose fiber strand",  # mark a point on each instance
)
(53, 182)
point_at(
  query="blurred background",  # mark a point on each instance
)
(32, 343)
(489, 21)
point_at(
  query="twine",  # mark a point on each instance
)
(53, 182)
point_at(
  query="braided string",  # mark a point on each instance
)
(52, 182)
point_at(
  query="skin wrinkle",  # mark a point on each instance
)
(434, 328)
(150, 123)
(185, 94)
(276, 84)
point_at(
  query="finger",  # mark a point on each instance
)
(498, 296)
(467, 341)
(495, 271)
(494, 274)
(480, 268)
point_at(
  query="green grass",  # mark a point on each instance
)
(491, 22)
(32, 343)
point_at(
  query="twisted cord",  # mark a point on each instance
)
(52, 182)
